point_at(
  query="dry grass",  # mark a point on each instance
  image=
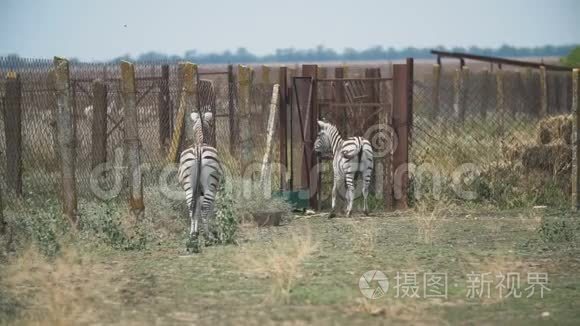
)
(364, 237)
(59, 292)
(281, 262)
(404, 311)
(531, 218)
(494, 267)
(555, 129)
(428, 217)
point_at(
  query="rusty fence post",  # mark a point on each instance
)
(283, 130)
(164, 109)
(132, 143)
(99, 134)
(575, 137)
(66, 138)
(311, 169)
(401, 121)
(13, 133)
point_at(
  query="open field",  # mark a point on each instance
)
(307, 271)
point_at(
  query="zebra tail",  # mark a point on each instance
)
(195, 180)
(357, 151)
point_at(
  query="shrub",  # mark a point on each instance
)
(104, 221)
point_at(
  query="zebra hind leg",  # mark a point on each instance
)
(365, 192)
(349, 199)
(193, 243)
(334, 192)
(206, 213)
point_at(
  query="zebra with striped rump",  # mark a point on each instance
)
(200, 178)
(349, 156)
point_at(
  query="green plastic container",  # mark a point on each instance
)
(299, 199)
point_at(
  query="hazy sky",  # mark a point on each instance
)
(96, 29)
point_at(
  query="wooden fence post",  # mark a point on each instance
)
(13, 133)
(401, 121)
(232, 118)
(52, 105)
(543, 93)
(191, 82)
(164, 112)
(244, 114)
(66, 138)
(283, 130)
(436, 88)
(99, 134)
(187, 73)
(576, 138)
(464, 92)
(312, 169)
(458, 94)
(132, 143)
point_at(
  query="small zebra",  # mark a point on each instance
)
(349, 156)
(200, 181)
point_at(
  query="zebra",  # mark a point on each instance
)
(349, 156)
(200, 181)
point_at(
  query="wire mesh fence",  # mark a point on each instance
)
(490, 128)
(27, 87)
(514, 128)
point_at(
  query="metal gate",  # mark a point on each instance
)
(361, 104)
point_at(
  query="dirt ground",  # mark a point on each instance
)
(307, 271)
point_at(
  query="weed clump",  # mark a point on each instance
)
(556, 230)
(282, 263)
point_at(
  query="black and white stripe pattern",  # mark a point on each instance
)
(200, 173)
(349, 156)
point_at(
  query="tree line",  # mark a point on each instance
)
(321, 53)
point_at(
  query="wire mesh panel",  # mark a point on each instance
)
(482, 132)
